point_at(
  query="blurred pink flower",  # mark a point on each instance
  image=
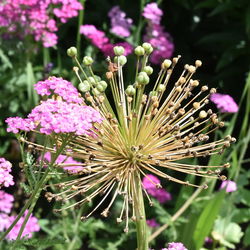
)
(175, 246)
(152, 223)
(229, 185)
(153, 13)
(225, 103)
(6, 202)
(6, 179)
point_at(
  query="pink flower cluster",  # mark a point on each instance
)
(230, 186)
(6, 179)
(156, 36)
(225, 103)
(35, 17)
(175, 246)
(120, 25)
(152, 223)
(6, 202)
(149, 183)
(67, 160)
(99, 39)
(58, 86)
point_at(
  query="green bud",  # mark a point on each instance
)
(166, 64)
(122, 60)
(97, 78)
(148, 70)
(143, 78)
(72, 51)
(147, 47)
(100, 87)
(161, 87)
(118, 50)
(87, 60)
(139, 51)
(152, 93)
(130, 90)
(84, 86)
(92, 80)
(96, 91)
(104, 84)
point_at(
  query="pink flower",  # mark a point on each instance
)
(152, 223)
(229, 185)
(4, 221)
(6, 202)
(153, 13)
(176, 246)
(225, 103)
(119, 24)
(70, 164)
(6, 179)
(31, 226)
(150, 183)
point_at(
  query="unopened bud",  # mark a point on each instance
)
(87, 60)
(118, 50)
(148, 70)
(139, 51)
(166, 64)
(72, 51)
(148, 48)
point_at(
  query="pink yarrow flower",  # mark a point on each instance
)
(230, 186)
(6, 179)
(151, 183)
(120, 25)
(4, 221)
(225, 103)
(175, 246)
(153, 13)
(6, 202)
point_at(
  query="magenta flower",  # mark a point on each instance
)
(152, 185)
(59, 86)
(152, 223)
(71, 165)
(120, 25)
(230, 186)
(175, 246)
(6, 179)
(31, 226)
(153, 13)
(225, 103)
(4, 221)
(6, 202)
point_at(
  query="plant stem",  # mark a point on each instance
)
(141, 225)
(177, 214)
(80, 21)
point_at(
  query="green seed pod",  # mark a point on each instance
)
(87, 60)
(166, 64)
(84, 86)
(72, 51)
(161, 87)
(130, 90)
(139, 51)
(148, 70)
(118, 50)
(148, 48)
(143, 78)
(100, 87)
(104, 84)
(122, 60)
(95, 91)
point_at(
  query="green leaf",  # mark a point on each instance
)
(207, 218)
(241, 215)
(246, 239)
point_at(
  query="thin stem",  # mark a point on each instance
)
(141, 225)
(177, 214)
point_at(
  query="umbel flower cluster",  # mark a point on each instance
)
(134, 134)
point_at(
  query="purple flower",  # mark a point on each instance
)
(152, 184)
(31, 226)
(120, 25)
(229, 185)
(225, 103)
(67, 162)
(175, 246)
(152, 223)
(6, 202)
(6, 179)
(153, 13)
(59, 86)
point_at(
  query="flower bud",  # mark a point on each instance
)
(100, 88)
(130, 90)
(139, 51)
(148, 70)
(96, 91)
(166, 64)
(87, 60)
(147, 47)
(161, 87)
(104, 84)
(118, 50)
(122, 60)
(143, 78)
(92, 80)
(84, 86)
(152, 93)
(72, 51)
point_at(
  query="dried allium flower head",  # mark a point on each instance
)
(141, 133)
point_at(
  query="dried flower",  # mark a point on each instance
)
(225, 103)
(230, 186)
(142, 134)
(6, 179)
